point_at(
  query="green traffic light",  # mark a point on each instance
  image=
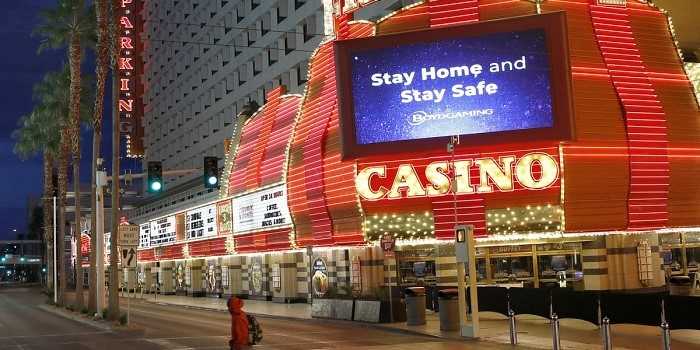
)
(156, 186)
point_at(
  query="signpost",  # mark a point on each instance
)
(465, 253)
(128, 242)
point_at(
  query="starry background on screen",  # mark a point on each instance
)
(523, 100)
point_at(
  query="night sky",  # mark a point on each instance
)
(20, 68)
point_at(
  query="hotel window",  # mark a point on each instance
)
(273, 54)
(282, 10)
(299, 3)
(309, 27)
(302, 72)
(265, 23)
(290, 43)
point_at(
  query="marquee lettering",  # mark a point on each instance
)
(124, 84)
(406, 178)
(126, 105)
(126, 43)
(364, 178)
(126, 22)
(125, 63)
(533, 171)
(436, 173)
(501, 175)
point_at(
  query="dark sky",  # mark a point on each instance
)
(20, 68)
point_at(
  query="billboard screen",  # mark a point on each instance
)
(497, 78)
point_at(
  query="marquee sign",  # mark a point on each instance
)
(261, 210)
(128, 63)
(341, 7)
(201, 222)
(533, 171)
(489, 81)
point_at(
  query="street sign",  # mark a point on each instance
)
(388, 242)
(129, 257)
(128, 235)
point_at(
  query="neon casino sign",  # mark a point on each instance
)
(533, 171)
(127, 64)
(341, 7)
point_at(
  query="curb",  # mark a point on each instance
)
(58, 312)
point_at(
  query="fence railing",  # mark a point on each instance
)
(680, 312)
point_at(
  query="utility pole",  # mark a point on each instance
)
(113, 262)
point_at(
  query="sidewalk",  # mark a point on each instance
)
(257, 307)
(533, 331)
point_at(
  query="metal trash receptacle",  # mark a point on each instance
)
(415, 306)
(449, 309)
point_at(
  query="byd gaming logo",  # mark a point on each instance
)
(420, 117)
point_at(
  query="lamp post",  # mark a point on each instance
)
(55, 273)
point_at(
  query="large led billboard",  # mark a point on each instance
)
(491, 82)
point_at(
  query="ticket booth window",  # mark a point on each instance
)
(680, 253)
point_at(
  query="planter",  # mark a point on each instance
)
(368, 310)
(374, 311)
(338, 309)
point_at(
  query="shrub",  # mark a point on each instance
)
(123, 319)
(105, 313)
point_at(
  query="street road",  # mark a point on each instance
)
(26, 327)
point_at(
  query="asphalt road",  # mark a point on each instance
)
(25, 326)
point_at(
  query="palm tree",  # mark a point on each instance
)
(101, 69)
(66, 25)
(31, 138)
(42, 131)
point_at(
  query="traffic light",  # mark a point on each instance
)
(155, 177)
(211, 172)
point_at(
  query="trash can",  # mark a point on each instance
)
(449, 309)
(415, 306)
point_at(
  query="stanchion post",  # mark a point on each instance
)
(607, 337)
(665, 328)
(512, 327)
(556, 341)
(666, 335)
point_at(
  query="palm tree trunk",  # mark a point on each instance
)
(101, 75)
(62, 188)
(48, 224)
(75, 58)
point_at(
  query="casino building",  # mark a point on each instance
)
(603, 193)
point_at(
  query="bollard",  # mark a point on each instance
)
(556, 342)
(666, 335)
(607, 337)
(513, 328)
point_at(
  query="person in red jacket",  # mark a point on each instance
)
(239, 324)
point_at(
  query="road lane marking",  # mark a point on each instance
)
(54, 335)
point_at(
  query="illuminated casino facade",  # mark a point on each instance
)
(605, 192)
